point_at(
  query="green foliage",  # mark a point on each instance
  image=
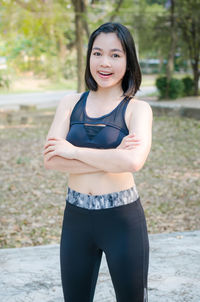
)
(33, 35)
(161, 84)
(40, 35)
(175, 87)
(188, 86)
(151, 2)
(4, 81)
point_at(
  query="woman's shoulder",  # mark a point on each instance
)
(137, 106)
(138, 111)
(69, 100)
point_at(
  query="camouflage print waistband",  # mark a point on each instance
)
(103, 201)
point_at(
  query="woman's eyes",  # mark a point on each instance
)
(96, 53)
(114, 55)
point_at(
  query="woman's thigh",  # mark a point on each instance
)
(79, 258)
(125, 242)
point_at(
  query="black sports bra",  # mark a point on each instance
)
(107, 136)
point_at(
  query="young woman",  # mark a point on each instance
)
(100, 137)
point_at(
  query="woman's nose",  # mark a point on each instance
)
(105, 61)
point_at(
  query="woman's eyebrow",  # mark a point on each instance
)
(113, 49)
(116, 49)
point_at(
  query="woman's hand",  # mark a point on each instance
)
(129, 142)
(63, 148)
(60, 147)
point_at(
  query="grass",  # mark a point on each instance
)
(30, 83)
(33, 84)
(32, 199)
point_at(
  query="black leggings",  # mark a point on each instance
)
(121, 233)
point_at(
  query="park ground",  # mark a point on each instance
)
(32, 199)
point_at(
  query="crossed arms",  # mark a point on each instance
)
(128, 157)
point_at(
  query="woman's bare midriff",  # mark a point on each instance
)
(99, 183)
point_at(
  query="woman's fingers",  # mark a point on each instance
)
(136, 142)
(49, 155)
(131, 144)
(48, 149)
(48, 145)
(130, 147)
(132, 140)
(50, 141)
(54, 138)
(131, 137)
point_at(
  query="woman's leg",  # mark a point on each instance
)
(79, 258)
(124, 240)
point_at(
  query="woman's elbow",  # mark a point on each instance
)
(138, 159)
(46, 164)
(135, 166)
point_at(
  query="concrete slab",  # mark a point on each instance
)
(33, 273)
(46, 99)
(184, 107)
(175, 109)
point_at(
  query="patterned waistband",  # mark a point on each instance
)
(103, 201)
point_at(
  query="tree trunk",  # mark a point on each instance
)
(62, 50)
(161, 60)
(79, 24)
(196, 76)
(116, 11)
(189, 23)
(170, 62)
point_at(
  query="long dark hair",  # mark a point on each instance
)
(133, 77)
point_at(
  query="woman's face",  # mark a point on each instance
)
(107, 60)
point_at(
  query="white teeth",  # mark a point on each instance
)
(105, 73)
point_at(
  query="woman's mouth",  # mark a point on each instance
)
(104, 75)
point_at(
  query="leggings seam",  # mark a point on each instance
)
(145, 294)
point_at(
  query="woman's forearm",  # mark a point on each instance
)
(69, 165)
(109, 160)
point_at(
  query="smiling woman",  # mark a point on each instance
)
(100, 137)
(108, 64)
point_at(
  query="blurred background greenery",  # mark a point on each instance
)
(47, 39)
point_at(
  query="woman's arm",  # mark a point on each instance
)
(112, 160)
(60, 128)
(69, 165)
(78, 167)
(122, 160)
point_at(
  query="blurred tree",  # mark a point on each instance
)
(188, 19)
(46, 35)
(34, 35)
(178, 30)
(82, 24)
(172, 46)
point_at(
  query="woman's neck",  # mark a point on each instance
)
(105, 94)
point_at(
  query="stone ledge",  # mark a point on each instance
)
(33, 273)
(175, 110)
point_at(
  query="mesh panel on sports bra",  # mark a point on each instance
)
(102, 132)
(93, 130)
